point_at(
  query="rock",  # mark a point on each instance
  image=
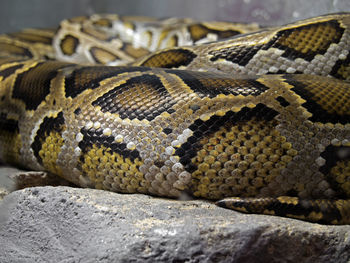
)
(63, 224)
(12, 179)
(7, 184)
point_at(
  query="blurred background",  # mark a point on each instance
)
(18, 14)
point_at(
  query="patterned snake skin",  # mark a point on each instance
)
(256, 119)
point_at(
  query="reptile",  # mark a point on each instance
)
(256, 119)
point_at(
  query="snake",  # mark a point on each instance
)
(256, 119)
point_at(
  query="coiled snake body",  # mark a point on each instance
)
(259, 121)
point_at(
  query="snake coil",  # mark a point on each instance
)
(258, 119)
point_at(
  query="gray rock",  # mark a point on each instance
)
(12, 179)
(63, 224)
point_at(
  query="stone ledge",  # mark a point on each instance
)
(63, 224)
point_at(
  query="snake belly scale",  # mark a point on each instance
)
(257, 119)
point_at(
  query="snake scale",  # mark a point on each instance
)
(256, 119)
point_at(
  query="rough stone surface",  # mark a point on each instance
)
(7, 184)
(12, 179)
(63, 224)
